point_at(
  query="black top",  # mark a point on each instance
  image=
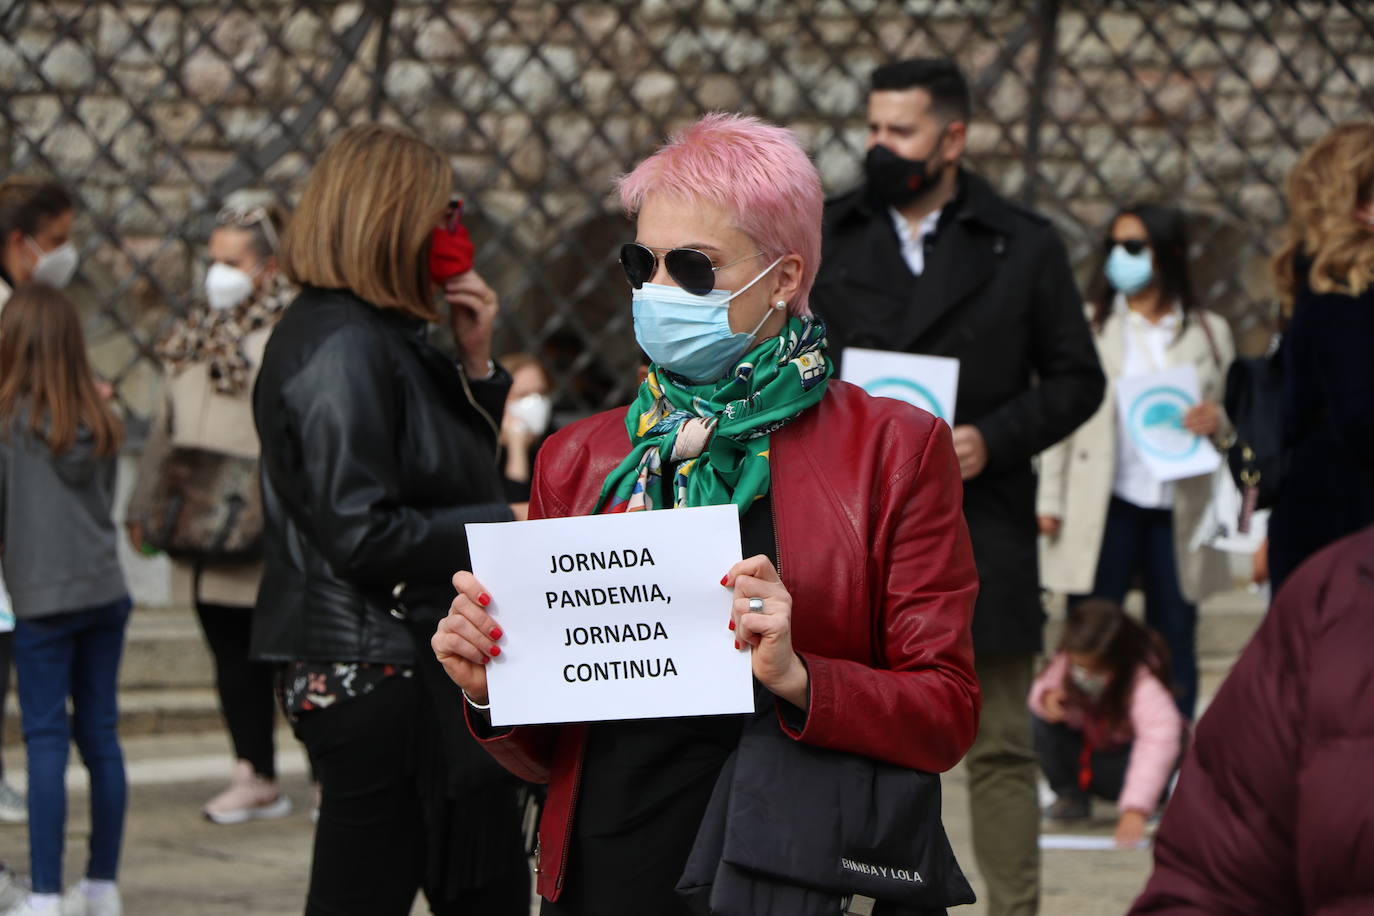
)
(645, 786)
(376, 452)
(1326, 490)
(997, 294)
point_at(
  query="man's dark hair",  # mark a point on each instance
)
(949, 95)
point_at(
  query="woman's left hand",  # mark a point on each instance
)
(1203, 420)
(768, 630)
(472, 314)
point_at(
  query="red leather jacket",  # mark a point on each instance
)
(872, 545)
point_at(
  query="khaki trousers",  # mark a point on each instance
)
(1002, 769)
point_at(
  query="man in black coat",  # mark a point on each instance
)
(926, 258)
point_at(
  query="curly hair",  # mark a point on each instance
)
(1334, 178)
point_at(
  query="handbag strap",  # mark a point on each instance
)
(1211, 340)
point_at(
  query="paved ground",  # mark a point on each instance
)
(176, 864)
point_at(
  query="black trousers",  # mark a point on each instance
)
(369, 857)
(1060, 749)
(1141, 541)
(247, 695)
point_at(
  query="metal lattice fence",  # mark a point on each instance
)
(156, 112)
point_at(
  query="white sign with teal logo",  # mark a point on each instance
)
(929, 382)
(1153, 406)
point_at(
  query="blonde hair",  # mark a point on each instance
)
(366, 218)
(1334, 177)
(44, 370)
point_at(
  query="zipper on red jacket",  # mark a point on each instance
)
(777, 540)
(572, 812)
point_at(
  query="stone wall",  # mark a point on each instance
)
(158, 112)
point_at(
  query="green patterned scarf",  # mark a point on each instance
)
(717, 433)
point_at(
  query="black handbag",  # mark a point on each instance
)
(1254, 392)
(795, 830)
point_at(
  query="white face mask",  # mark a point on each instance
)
(1092, 683)
(226, 287)
(56, 267)
(533, 412)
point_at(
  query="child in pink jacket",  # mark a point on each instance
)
(1105, 723)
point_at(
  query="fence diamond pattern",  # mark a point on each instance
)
(156, 113)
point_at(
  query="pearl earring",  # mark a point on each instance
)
(780, 304)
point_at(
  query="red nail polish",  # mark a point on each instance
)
(496, 632)
(732, 624)
(495, 651)
(724, 579)
(484, 599)
(737, 644)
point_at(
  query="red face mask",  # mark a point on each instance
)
(450, 251)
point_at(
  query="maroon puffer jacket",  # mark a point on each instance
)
(1275, 806)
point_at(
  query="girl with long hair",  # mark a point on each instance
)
(1106, 520)
(36, 218)
(1104, 720)
(58, 442)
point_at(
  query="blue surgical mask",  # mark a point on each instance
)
(689, 334)
(1130, 273)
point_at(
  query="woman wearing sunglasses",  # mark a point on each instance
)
(1106, 519)
(858, 587)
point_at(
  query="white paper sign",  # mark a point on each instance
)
(929, 382)
(613, 616)
(1152, 407)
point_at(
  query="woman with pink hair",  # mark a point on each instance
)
(858, 589)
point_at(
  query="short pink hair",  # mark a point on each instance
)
(754, 170)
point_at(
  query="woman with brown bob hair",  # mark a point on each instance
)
(1325, 275)
(377, 450)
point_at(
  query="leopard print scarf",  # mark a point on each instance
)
(215, 336)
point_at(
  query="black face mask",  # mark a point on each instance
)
(895, 181)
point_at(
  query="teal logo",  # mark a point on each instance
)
(902, 389)
(1156, 423)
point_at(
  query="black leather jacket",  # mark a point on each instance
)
(376, 451)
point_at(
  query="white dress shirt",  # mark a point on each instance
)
(914, 243)
(1146, 349)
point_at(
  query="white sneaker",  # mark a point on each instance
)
(249, 797)
(12, 889)
(77, 902)
(14, 808)
(32, 905)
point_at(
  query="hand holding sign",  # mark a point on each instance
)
(466, 639)
(1156, 409)
(761, 617)
(611, 617)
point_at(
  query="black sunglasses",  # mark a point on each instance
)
(1132, 246)
(690, 269)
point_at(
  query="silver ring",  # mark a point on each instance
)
(756, 605)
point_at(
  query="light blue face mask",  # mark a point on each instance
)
(689, 334)
(1130, 273)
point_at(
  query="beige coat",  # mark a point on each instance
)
(191, 413)
(1076, 476)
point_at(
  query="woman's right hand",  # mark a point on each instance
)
(466, 639)
(1049, 525)
(1053, 704)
